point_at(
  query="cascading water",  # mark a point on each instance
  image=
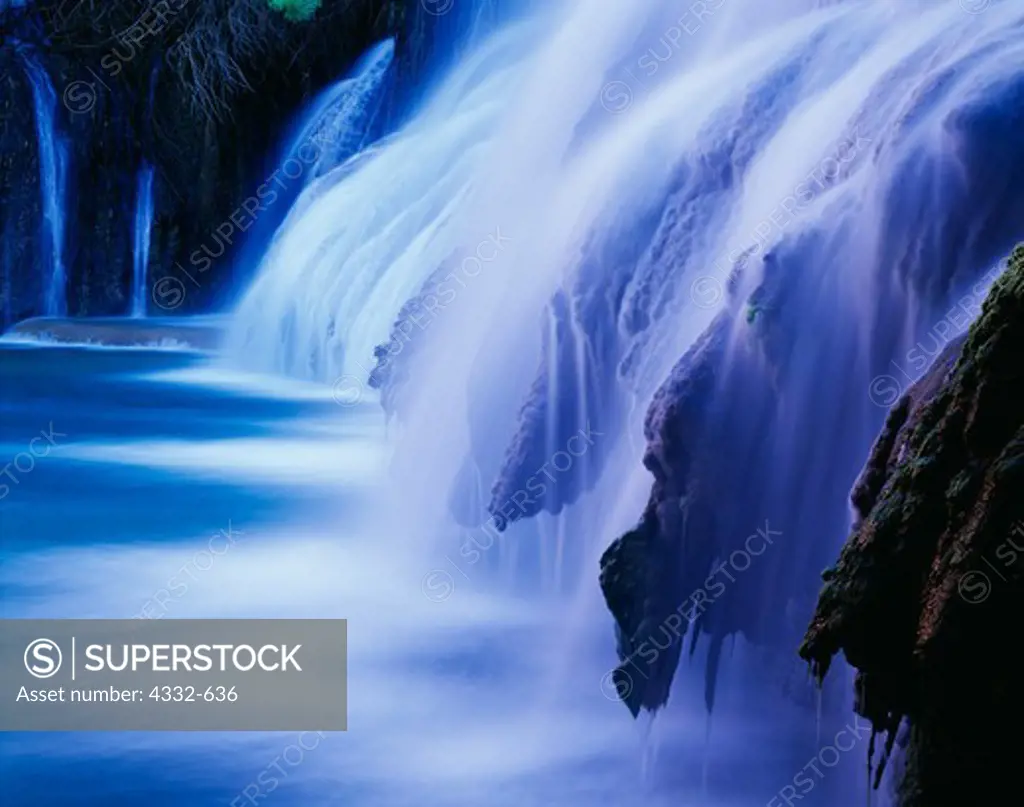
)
(390, 206)
(53, 158)
(343, 120)
(141, 236)
(735, 220)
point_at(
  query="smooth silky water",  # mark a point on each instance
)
(471, 684)
(155, 454)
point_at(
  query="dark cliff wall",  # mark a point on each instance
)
(927, 598)
(204, 90)
(20, 203)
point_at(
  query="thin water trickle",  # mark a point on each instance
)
(142, 235)
(53, 169)
(706, 765)
(648, 747)
(817, 717)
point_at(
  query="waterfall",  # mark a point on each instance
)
(53, 165)
(730, 222)
(652, 180)
(344, 116)
(341, 121)
(324, 281)
(143, 225)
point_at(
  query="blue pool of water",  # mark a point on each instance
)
(127, 462)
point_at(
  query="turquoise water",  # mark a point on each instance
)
(124, 508)
(146, 462)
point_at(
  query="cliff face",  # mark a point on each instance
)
(205, 91)
(20, 201)
(926, 599)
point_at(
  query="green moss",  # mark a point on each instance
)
(296, 10)
(1006, 293)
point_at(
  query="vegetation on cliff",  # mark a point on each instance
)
(296, 9)
(215, 49)
(201, 90)
(926, 597)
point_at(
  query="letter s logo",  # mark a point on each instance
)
(42, 658)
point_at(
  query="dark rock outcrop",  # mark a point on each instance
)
(725, 544)
(644, 571)
(396, 358)
(928, 593)
(570, 398)
(768, 421)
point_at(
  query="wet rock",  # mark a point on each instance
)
(647, 574)
(928, 594)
